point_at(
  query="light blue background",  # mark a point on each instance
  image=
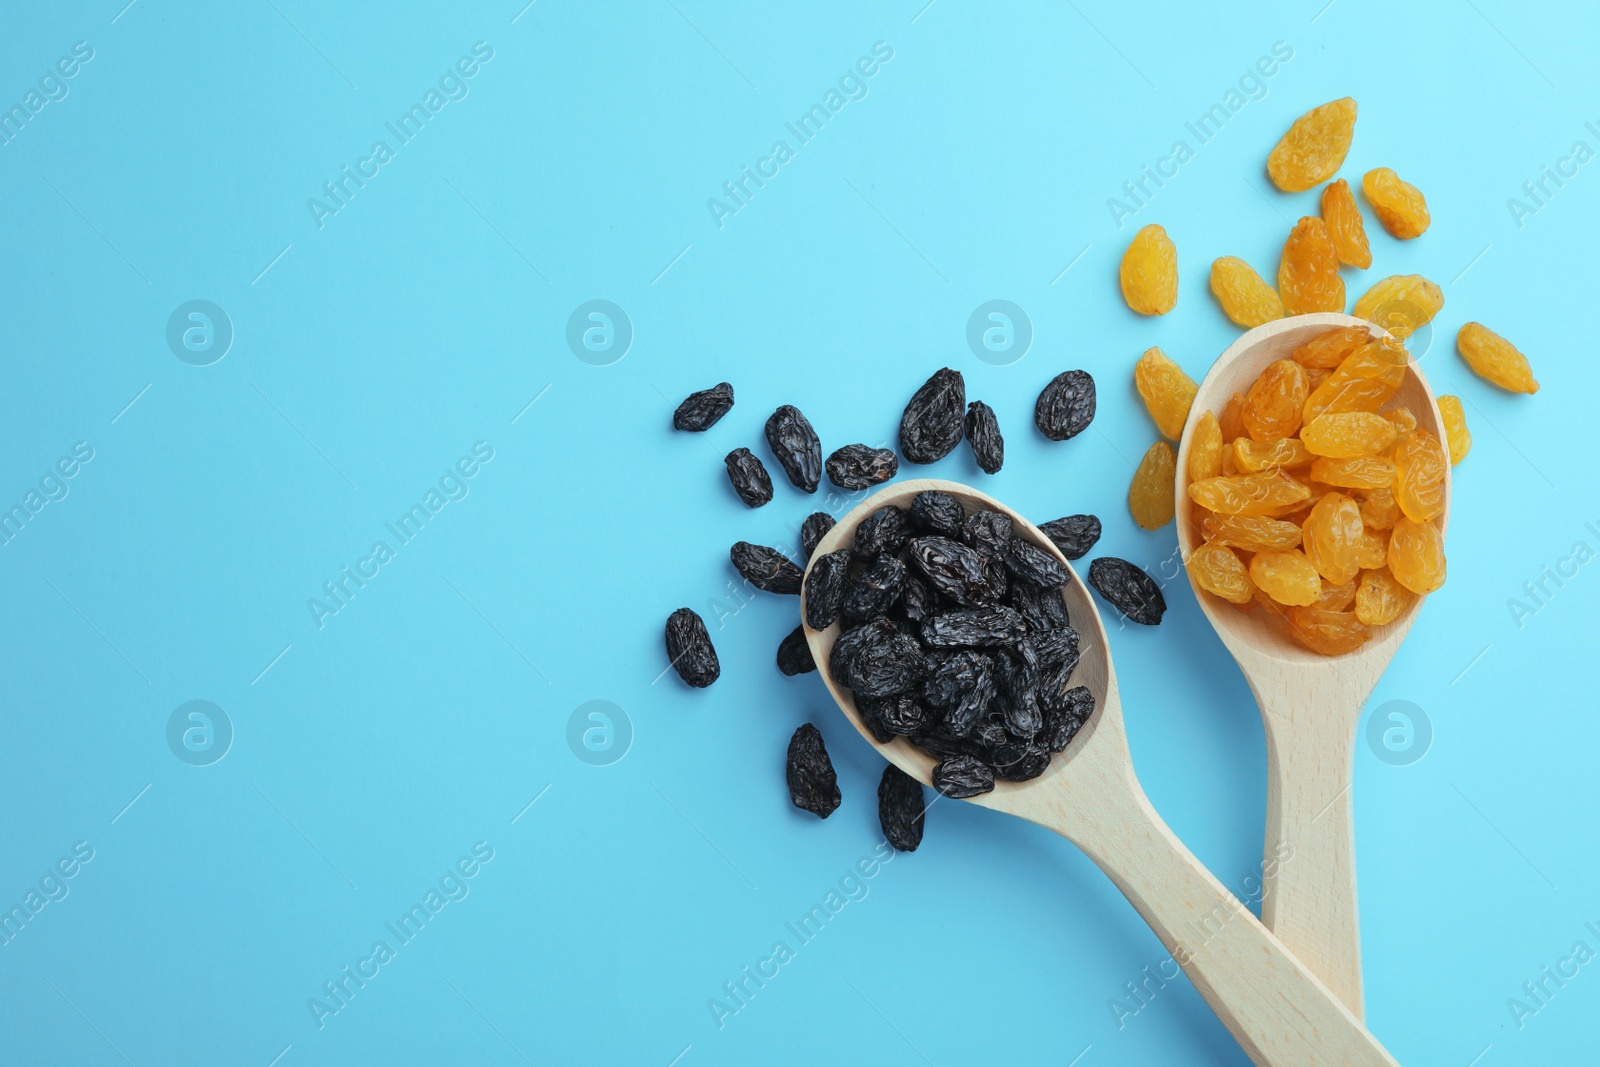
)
(373, 352)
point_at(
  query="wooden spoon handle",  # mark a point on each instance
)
(1280, 1012)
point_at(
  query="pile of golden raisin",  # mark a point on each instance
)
(1314, 496)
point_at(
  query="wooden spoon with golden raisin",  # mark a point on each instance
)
(1279, 1010)
(1306, 553)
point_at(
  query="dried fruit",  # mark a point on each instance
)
(860, 467)
(700, 411)
(1251, 456)
(1029, 563)
(1331, 633)
(952, 569)
(1416, 555)
(825, 586)
(1150, 496)
(1252, 533)
(1336, 597)
(1332, 537)
(1403, 419)
(931, 428)
(1400, 303)
(1249, 494)
(813, 786)
(1287, 576)
(1150, 272)
(937, 513)
(876, 660)
(983, 434)
(765, 568)
(901, 808)
(1074, 535)
(1365, 381)
(1273, 405)
(1420, 465)
(1343, 218)
(1362, 472)
(1455, 428)
(1313, 149)
(1379, 510)
(974, 628)
(873, 590)
(962, 685)
(1398, 204)
(812, 530)
(963, 776)
(1205, 448)
(1167, 391)
(1380, 599)
(1218, 570)
(689, 649)
(989, 532)
(1373, 550)
(1245, 296)
(1066, 406)
(884, 531)
(795, 446)
(749, 477)
(1348, 434)
(1494, 359)
(1128, 589)
(1308, 273)
(794, 653)
(1232, 419)
(1327, 350)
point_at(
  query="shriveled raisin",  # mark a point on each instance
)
(795, 446)
(1362, 472)
(1249, 494)
(1074, 535)
(700, 411)
(1274, 403)
(1399, 205)
(1066, 406)
(1332, 537)
(765, 568)
(1150, 496)
(1245, 296)
(1455, 428)
(1365, 380)
(1403, 418)
(931, 426)
(1251, 533)
(1217, 570)
(1252, 456)
(983, 434)
(884, 532)
(959, 777)
(860, 467)
(1231, 421)
(1348, 434)
(689, 649)
(873, 590)
(1205, 448)
(1379, 510)
(1287, 576)
(1380, 599)
(1336, 597)
(813, 786)
(812, 530)
(824, 588)
(934, 512)
(1416, 555)
(748, 477)
(1400, 303)
(1494, 359)
(794, 653)
(1373, 550)
(1167, 391)
(1330, 633)
(1128, 589)
(1420, 465)
(1313, 149)
(1150, 272)
(1343, 217)
(1308, 272)
(1327, 350)
(901, 808)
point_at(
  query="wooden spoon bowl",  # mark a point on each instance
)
(1280, 1012)
(1310, 703)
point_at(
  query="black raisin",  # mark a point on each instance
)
(749, 477)
(859, 467)
(975, 627)
(963, 685)
(876, 660)
(766, 568)
(1065, 717)
(874, 589)
(931, 425)
(824, 586)
(1074, 535)
(884, 532)
(689, 649)
(903, 714)
(1019, 761)
(700, 411)
(1066, 406)
(812, 784)
(901, 807)
(963, 776)
(816, 526)
(933, 512)
(983, 434)
(794, 653)
(1017, 675)
(915, 600)
(1033, 565)
(1043, 609)
(1055, 647)
(794, 443)
(866, 709)
(952, 569)
(1129, 589)
(987, 531)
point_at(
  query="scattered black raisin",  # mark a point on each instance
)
(812, 784)
(873, 590)
(825, 586)
(1129, 589)
(983, 434)
(963, 776)
(816, 526)
(794, 653)
(1074, 535)
(953, 569)
(859, 467)
(933, 512)
(700, 411)
(901, 808)
(749, 477)
(689, 649)
(794, 443)
(766, 568)
(876, 660)
(1066, 406)
(975, 627)
(884, 532)
(931, 425)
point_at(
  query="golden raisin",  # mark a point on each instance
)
(1332, 537)
(1359, 472)
(1455, 428)
(1379, 598)
(1308, 273)
(1343, 217)
(1416, 555)
(1217, 570)
(1150, 497)
(1205, 448)
(1252, 533)
(1232, 418)
(1252, 456)
(1379, 511)
(1230, 465)
(1373, 551)
(1398, 204)
(1348, 434)
(1150, 272)
(1248, 494)
(1286, 576)
(1166, 390)
(1419, 473)
(1336, 597)
(1363, 382)
(1245, 296)
(1331, 633)
(1400, 303)
(1273, 405)
(1494, 359)
(1327, 350)
(1315, 146)
(1404, 421)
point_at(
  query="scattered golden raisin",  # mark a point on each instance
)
(1245, 296)
(1150, 272)
(1217, 570)
(1308, 273)
(1420, 464)
(1494, 359)
(1348, 434)
(1166, 390)
(1150, 497)
(1343, 217)
(1273, 405)
(1379, 598)
(1315, 146)
(1400, 303)
(1416, 555)
(1330, 633)
(1332, 538)
(1205, 448)
(1455, 428)
(1286, 576)
(1398, 204)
